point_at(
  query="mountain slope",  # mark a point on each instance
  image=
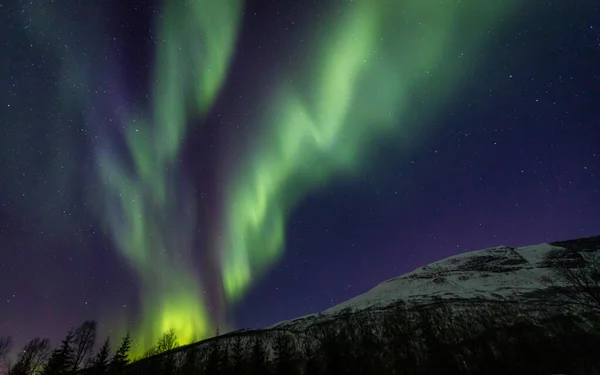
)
(501, 274)
(491, 311)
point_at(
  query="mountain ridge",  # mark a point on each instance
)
(494, 274)
(491, 311)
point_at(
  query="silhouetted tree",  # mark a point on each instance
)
(167, 342)
(121, 357)
(101, 361)
(61, 360)
(32, 358)
(83, 343)
(581, 274)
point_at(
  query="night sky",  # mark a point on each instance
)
(144, 199)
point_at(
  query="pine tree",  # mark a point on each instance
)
(121, 357)
(61, 360)
(100, 364)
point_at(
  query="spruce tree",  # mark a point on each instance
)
(61, 360)
(100, 364)
(121, 357)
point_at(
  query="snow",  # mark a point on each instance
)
(498, 273)
(494, 274)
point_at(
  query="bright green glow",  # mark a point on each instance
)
(152, 218)
(368, 63)
(375, 57)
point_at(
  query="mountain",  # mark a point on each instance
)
(521, 275)
(530, 309)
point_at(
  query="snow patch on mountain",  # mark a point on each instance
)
(496, 274)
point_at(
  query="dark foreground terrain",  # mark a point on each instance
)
(530, 310)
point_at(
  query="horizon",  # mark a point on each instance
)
(283, 161)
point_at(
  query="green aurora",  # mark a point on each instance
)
(369, 61)
(365, 66)
(149, 214)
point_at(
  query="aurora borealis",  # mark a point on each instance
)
(171, 160)
(352, 92)
(145, 202)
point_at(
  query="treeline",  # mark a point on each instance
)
(396, 341)
(393, 341)
(75, 354)
(498, 339)
(451, 341)
(475, 338)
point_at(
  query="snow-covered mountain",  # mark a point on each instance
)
(492, 307)
(497, 274)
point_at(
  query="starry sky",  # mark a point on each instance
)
(159, 169)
